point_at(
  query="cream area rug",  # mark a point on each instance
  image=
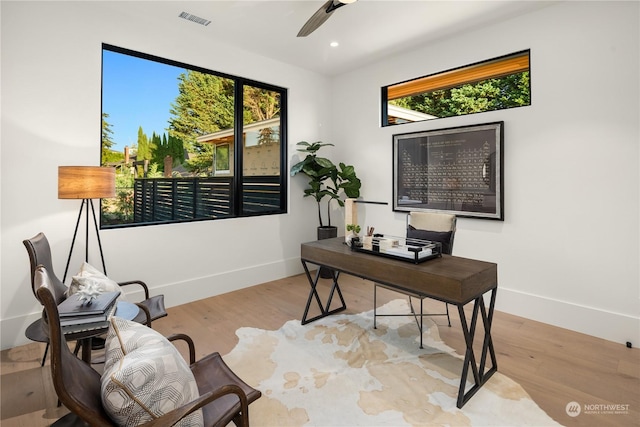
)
(339, 371)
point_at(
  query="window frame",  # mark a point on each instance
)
(501, 66)
(236, 199)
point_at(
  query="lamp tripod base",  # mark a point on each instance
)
(85, 203)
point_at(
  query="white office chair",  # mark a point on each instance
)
(438, 227)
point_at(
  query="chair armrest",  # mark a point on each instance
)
(139, 283)
(146, 312)
(186, 338)
(170, 418)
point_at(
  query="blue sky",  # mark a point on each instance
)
(136, 92)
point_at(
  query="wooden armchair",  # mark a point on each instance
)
(224, 397)
(151, 308)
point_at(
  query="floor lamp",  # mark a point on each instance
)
(86, 183)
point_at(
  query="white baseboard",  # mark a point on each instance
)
(204, 287)
(12, 330)
(603, 324)
(616, 327)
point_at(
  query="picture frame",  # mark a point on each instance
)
(456, 170)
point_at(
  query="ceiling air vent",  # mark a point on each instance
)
(194, 18)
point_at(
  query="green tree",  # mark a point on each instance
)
(157, 155)
(145, 147)
(487, 95)
(112, 157)
(119, 210)
(107, 141)
(268, 136)
(176, 149)
(259, 105)
(205, 104)
(170, 146)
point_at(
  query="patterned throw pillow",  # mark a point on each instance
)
(88, 274)
(144, 376)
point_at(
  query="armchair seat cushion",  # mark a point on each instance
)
(144, 376)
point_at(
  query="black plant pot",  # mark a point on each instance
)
(327, 232)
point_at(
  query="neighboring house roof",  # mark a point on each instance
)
(227, 134)
(404, 115)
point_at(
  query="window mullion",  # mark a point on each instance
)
(238, 145)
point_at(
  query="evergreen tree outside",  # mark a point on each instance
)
(107, 155)
(260, 105)
(175, 149)
(268, 136)
(144, 150)
(205, 104)
(145, 147)
(167, 146)
(107, 134)
(488, 95)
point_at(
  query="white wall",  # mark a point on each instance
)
(51, 103)
(567, 251)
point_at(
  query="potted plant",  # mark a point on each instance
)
(354, 230)
(326, 181)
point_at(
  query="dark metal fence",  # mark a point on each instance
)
(184, 199)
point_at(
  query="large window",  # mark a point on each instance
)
(189, 143)
(495, 84)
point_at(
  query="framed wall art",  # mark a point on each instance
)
(456, 170)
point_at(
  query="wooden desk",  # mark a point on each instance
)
(454, 280)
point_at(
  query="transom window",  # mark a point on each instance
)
(495, 84)
(189, 143)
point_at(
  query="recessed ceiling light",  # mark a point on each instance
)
(334, 44)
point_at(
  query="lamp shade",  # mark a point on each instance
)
(86, 182)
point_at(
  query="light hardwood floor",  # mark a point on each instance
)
(555, 366)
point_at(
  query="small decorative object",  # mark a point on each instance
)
(368, 239)
(354, 230)
(88, 293)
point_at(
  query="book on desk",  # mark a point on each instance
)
(74, 311)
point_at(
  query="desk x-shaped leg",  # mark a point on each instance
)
(479, 375)
(313, 293)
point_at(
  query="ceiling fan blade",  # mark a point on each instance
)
(319, 17)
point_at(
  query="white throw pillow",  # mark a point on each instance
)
(89, 275)
(144, 376)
